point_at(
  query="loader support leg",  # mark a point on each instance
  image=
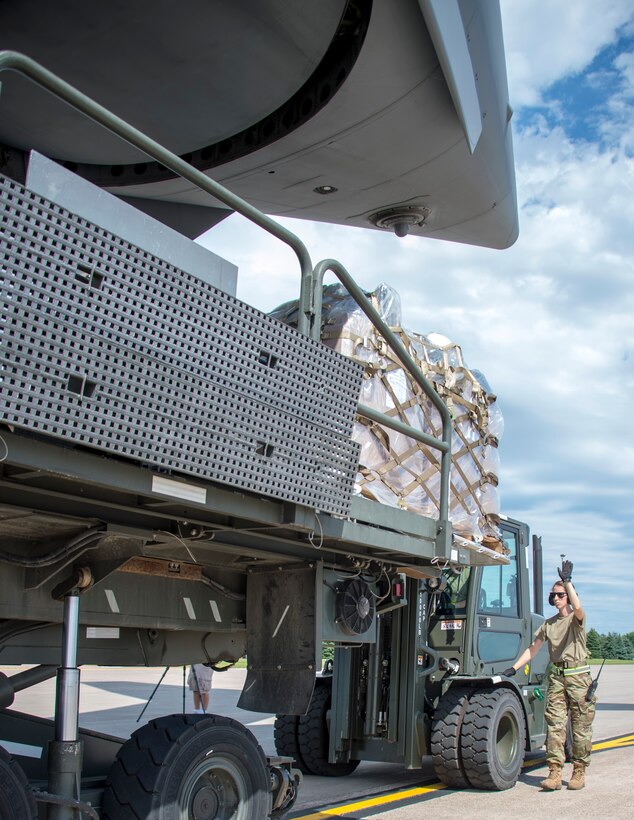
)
(65, 752)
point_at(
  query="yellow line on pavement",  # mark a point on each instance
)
(406, 794)
(616, 743)
(373, 801)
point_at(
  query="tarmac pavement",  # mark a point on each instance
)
(113, 698)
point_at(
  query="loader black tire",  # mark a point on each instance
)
(445, 738)
(313, 737)
(493, 739)
(286, 740)
(183, 766)
(16, 798)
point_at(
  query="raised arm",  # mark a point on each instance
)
(565, 573)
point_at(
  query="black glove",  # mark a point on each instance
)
(565, 573)
(508, 673)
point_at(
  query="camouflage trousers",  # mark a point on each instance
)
(568, 694)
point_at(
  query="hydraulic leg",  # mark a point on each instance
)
(65, 752)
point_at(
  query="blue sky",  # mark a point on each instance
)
(549, 321)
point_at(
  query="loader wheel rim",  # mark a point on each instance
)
(205, 803)
(215, 789)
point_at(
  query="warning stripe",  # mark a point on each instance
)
(615, 743)
(407, 794)
(373, 801)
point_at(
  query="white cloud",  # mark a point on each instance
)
(548, 321)
(598, 561)
(553, 39)
(624, 63)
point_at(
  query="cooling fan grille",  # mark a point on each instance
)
(354, 606)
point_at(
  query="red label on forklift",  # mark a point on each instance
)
(451, 625)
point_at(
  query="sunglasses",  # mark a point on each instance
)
(553, 595)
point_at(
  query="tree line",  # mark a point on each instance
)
(611, 646)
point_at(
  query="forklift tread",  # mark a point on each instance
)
(493, 740)
(445, 738)
(313, 737)
(286, 741)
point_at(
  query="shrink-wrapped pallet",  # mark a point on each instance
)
(394, 468)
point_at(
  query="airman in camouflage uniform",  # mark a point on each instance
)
(568, 682)
(567, 693)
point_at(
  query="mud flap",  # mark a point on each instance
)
(282, 622)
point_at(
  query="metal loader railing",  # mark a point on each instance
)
(309, 319)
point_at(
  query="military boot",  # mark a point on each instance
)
(578, 779)
(553, 781)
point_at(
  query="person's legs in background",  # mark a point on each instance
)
(201, 702)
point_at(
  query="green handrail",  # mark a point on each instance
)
(408, 363)
(309, 318)
(14, 61)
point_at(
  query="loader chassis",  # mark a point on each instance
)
(120, 550)
(177, 477)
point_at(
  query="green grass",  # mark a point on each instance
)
(239, 664)
(608, 662)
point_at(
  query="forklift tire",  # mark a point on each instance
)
(313, 738)
(493, 740)
(286, 741)
(445, 738)
(16, 798)
(183, 766)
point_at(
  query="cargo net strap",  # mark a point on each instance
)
(394, 468)
(104, 345)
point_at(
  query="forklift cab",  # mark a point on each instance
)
(481, 617)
